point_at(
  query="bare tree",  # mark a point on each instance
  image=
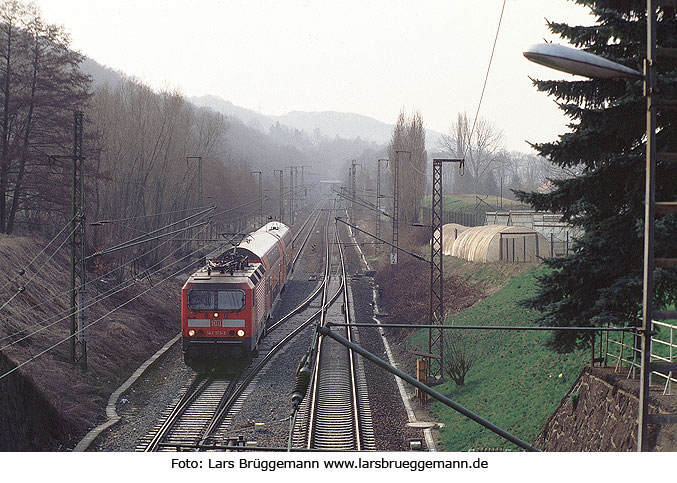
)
(41, 86)
(479, 151)
(460, 354)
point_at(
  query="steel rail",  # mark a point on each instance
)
(488, 327)
(351, 357)
(334, 403)
(233, 397)
(237, 386)
(440, 397)
(317, 343)
(197, 386)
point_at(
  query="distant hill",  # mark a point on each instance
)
(346, 125)
(247, 116)
(343, 124)
(101, 75)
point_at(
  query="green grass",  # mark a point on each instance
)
(515, 383)
(468, 203)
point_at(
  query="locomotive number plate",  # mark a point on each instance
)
(215, 323)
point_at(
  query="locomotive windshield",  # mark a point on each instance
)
(216, 299)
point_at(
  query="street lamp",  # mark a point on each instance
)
(586, 64)
(577, 62)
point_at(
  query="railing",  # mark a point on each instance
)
(628, 353)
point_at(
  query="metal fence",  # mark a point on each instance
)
(460, 217)
(560, 245)
(625, 350)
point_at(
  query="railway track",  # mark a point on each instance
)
(335, 415)
(201, 417)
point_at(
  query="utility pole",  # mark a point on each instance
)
(78, 269)
(200, 197)
(260, 196)
(396, 205)
(296, 178)
(291, 195)
(303, 182)
(281, 171)
(436, 314)
(378, 202)
(651, 207)
(353, 185)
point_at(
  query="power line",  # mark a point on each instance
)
(148, 216)
(120, 246)
(109, 293)
(23, 287)
(146, 240)
(104, 295)
(486, 78)
(102, 317)
(99, 278)
(23, 270)
(131, 242)
(17, 367)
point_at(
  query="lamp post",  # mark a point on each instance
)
(583, 63)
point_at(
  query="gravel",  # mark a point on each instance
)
(268, 401)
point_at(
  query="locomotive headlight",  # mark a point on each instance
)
(240, 333)
(216, 314)
(191, 333)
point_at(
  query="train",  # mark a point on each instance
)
(226, 304)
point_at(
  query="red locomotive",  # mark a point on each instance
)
(225, 304)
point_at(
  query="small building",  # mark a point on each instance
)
(559, 234)
(493, 243)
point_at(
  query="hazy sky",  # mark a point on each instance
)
(371, 57)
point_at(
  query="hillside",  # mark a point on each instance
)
(346, 125)
(516, 382)
(532, 379)
(50, 403)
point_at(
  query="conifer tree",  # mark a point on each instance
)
(600, 283)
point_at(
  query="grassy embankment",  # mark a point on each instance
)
(516, 382)
(469, 203)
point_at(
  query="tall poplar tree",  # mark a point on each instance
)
(409, 135)
(600, 283)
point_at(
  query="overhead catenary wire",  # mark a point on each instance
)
(109, 293)
(140, 238)
(23, 287)
(98, 278)
(219, 213)
(48, 349)
(486, 78)
(24, 269)
(53, 346)
(131, 218)
(68, 312)
(146, 240)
